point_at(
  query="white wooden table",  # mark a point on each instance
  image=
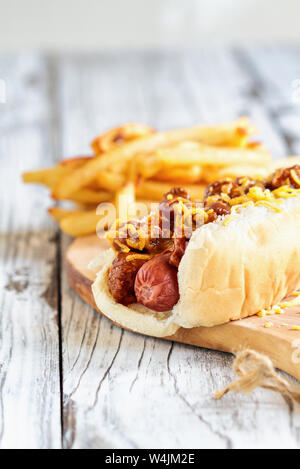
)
(68, 377)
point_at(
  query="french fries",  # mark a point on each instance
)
(153, 190)
(186, 175)
(193, 153)
(115, 137)
(75, 222)
(126, 152)
(125, 199)
(236, 171)
(47, 177)
(89, 196)
(134, 165)
(51, 177)
(285, 162)
(148, 165)
(80, 223)
(58, 213)
(110, 180)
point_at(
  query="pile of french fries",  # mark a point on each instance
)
(136, 162)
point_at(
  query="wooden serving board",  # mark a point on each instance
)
(280, 342)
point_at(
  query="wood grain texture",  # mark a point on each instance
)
(146, 392)
(29, 342)
(118, 389)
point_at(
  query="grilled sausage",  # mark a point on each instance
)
(180, 245)
(121, 278)
(156, 285)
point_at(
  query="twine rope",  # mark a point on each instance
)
(257, 370)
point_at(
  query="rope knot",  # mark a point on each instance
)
(254, 370)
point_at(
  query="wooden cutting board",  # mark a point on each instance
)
(280, 342)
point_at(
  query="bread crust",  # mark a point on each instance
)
(228, 272)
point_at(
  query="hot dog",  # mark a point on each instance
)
(156, 285)
(244, 257)
(122, 276)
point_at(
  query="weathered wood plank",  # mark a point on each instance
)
(122, 390)
(29, 340)
(276, 71)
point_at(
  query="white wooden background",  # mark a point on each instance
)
(69, 378)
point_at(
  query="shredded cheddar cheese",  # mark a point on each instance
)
(258, 197)
(238, 200)
(295, 177)
(268, 325)
(259, 203)
(131, 229)
(135, 256)
(285, 192)
(200, 211)
(225, 197)
(122, 246)
(279, 309)
(257, 194)
(188, 215)
(265, 197)
(134, 244)
(237, 208)
(262, 313)
(227, 220)
(289, 304)
(268, 205)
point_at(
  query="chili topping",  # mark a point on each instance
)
(170, 228)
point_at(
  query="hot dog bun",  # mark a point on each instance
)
(134, 317)
(233, 271)
(229, 271)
